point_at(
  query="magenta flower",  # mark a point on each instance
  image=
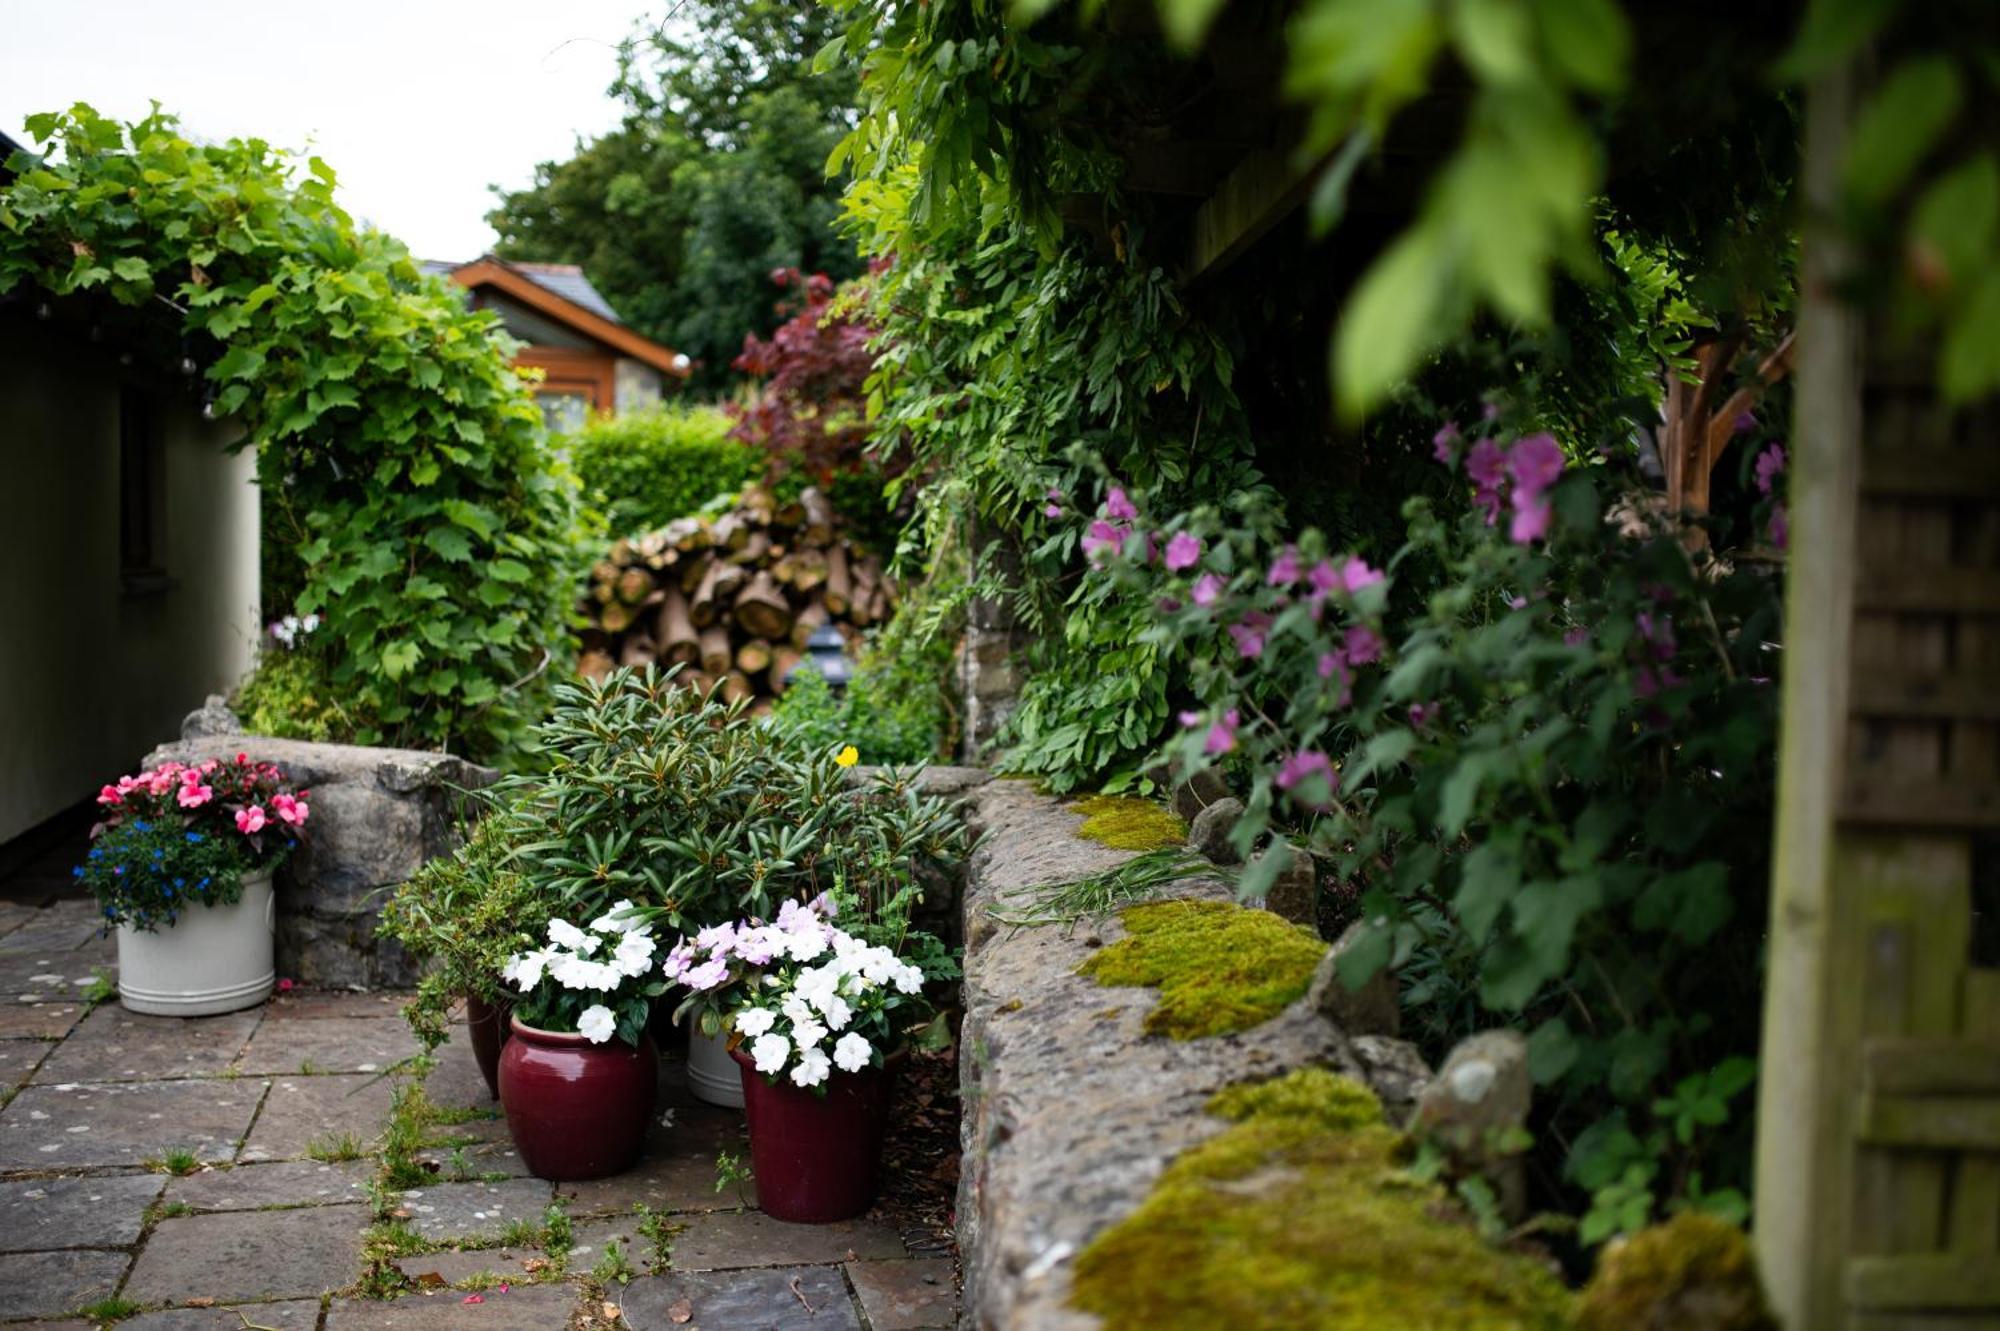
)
(1422, 714)
(1189, 720)
(1781, 527)
(1444, 444)
(109, 796)
(1052, 510)
(193, 795)
(1183, 551)
(1104, 536)
(1285, 568)
(1534, 463)
(1221, 737)
(1531, 518)
(1745, 422)
(251, 820)
(1487, 466)
(1770, 466)
(1332, 663)
(1249, 634)
(1355, 574)
(1324, 578)
(1116, 505)
(1576, 637)
(1304, 766)
(1362, 645)
(1207, 588)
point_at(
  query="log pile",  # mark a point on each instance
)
(732, 600)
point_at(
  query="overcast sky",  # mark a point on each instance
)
(419, 105)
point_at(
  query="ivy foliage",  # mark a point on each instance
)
(404, 456)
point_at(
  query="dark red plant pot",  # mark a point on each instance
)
(577, 1110)
(816, 1158)
(486, 1026)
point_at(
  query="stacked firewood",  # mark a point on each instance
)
(733, 599)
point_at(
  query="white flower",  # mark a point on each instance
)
(524, 971)
(817, 985)
(769, 1052)
(838, 1014)
(852, 1053)
(755, 1021)
(909, 979)
(574, 972)
(878, 964)
(634, 954)
(811, 1068)
(807, 1033)
(596, 1024)
(805, 944)
(616, 921)
(795, 1009)
(564, 934)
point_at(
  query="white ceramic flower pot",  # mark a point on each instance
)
(712, 1074)
(213, 959)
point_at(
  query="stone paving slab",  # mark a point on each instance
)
(236, 1255)
(47, 976)
(49, 1284)
(43, 1021)
(254, 1187)
(69, 1126)
(595, 1237)
(455, 1082)
(63, 927)
(480, 1157)
(112, 1044)
(676, 1181)
(522, 1308)
(726, 1240)
(915, 1294)
(460, 1212)
(455, 1266)
(329, 1044)
(304, 1110)
(288, 1315)
(308, 1004)
(91, 1211)
(804, 1298)
(20, 1058)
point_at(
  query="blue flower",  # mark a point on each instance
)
(194, 838)
(77, 872)
(141, 825)
(97, 852)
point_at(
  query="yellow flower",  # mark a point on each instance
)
(848, 756)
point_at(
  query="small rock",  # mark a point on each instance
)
(1396, 1071)
(1294, 893)
(1209, 833)
(1693, 1273)
(1373, 1009)
(213, 717)
(1204, 788)
(1477, 1106)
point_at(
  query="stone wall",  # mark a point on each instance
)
(377, 814)
(1070, 1111)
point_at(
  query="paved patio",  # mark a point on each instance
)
(180, 1175)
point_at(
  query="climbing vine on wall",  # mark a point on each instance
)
(433, 526)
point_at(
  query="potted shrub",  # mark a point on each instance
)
(579, 1073)
(182, 866)
(818, 1019)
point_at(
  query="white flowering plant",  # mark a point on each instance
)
(804, 997)
(599, 980)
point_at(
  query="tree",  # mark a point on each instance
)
(715, 178)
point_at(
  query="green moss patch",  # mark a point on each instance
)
(1218, 967)
(1129, 824)
(1694, 1270)
(1299, 1216)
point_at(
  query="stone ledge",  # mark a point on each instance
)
(377, 816)
(1070, 1111)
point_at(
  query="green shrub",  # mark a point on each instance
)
(646, 468)
(893, 712)
(290, 695)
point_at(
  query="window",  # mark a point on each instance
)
(564, 411)
(141, 493)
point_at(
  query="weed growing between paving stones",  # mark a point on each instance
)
(559, 1236)
(101, 989)
(521, 1234)
(659, 1231)
(731, 1171)
(334, 1150)
(167, 1211)
(113, 1309)
(177, 1162)
(613, 1266)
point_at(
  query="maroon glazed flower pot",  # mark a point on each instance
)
(815, 1158)
(577, 1110)
(486, 1026)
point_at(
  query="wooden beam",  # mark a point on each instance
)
(502, 276)
(1264, 188)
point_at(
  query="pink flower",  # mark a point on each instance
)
(284, 986)
(109, 796)
(1051, 510)
(1576, 637)
(1745, 422)
(1444, 444)
(193, 795)
(1104, 536)
(1221, 736)
(1531, 518)
(251, 820)
(1332, 663)
(1422, 714)
(289, 810)
(1116, 505)
(1249, 634)
(1304, 766)
(1770, 466)
(1183, 551)
(1285, 568)
(1534, 463)
(1324, 578)
(1487, 467)
(1781, 526)
(1362, 645)
(1355, 574)
(1207, 589)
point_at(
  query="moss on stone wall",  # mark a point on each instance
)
(1298, 1216)
(1218, 967)
(1693, 1273)
(1129, 824)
